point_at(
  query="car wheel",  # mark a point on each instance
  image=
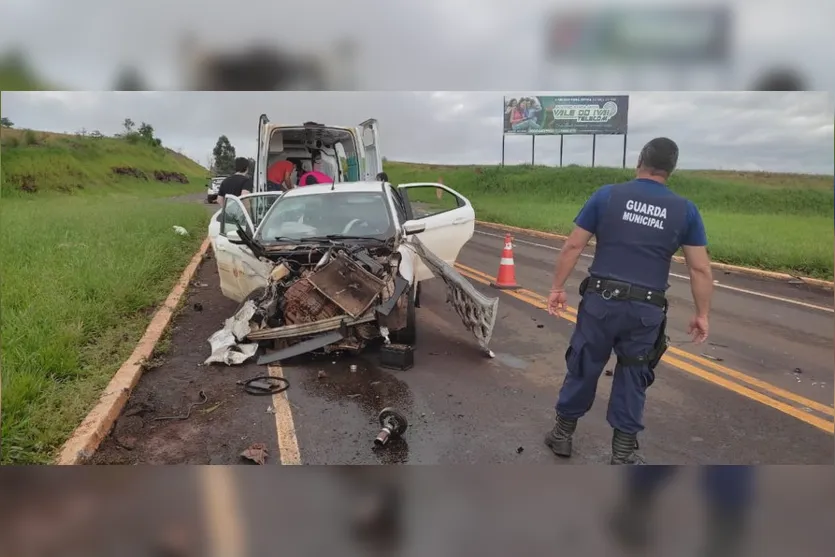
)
(408, 334)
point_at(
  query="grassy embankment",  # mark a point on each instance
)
(86, 258)
(779, 222)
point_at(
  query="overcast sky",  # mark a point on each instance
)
(781, 132)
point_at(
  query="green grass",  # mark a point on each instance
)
(779, 222)
(70, 164)
(81, 276)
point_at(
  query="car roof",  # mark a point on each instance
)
(360, 187)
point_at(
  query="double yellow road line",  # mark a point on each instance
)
(807, 410)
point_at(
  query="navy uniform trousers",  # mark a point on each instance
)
(629, 328)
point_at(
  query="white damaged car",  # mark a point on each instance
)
(335, 266)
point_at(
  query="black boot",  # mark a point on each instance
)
(624, 446)
(559, 439)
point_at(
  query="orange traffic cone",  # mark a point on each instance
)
(506, 280)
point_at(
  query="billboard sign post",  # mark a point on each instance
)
(566, 115)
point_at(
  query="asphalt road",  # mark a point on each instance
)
(763, 394)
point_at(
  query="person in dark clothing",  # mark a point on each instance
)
(382, 177)
(239, 183)
(639, 226)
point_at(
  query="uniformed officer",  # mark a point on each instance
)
(639, 225)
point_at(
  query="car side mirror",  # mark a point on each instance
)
(234, 237)
(410, 228)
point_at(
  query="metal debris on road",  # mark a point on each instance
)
(257, 453)
(265, 385)
(394, 425)
(203, 400)
(718, 345)
(225, 342)
(212, 408)
(714, 358)
(797, 370)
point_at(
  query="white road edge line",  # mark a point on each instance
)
(288, 444)
(684, 277)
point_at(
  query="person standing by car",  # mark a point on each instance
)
(239, 183)
(639, 226)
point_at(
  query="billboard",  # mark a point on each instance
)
(578, 115)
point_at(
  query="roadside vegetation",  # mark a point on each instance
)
(778, 222)
(88, 253)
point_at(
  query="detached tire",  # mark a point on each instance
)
(408, 335)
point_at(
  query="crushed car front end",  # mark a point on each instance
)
(340, 297)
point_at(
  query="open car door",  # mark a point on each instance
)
(448, 217)
(370, 138)
(262, 155)
(240, 270)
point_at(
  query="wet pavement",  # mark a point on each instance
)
(465, 408)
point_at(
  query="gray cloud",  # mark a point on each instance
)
(781, 132)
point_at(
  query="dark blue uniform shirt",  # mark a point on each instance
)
(638, 249)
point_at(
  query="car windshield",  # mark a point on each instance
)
(330, 214)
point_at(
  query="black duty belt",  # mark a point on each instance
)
(618, 290)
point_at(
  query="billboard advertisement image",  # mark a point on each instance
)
(578, 115)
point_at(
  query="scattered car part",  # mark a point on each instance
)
(397, 356)
(477, 311)
(226, 343)
(304, 329)
(401, 285)
(257, 453)
(347, 285)
(303, 347)
(203, 400)
(265, 385)
(394, 425)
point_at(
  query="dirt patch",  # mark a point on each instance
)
(24, 182)
(216, 431)
(128, 171)
(165, 176)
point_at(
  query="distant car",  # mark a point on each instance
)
(214, 188)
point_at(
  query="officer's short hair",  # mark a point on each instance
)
(241, 164)
(659, 156)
